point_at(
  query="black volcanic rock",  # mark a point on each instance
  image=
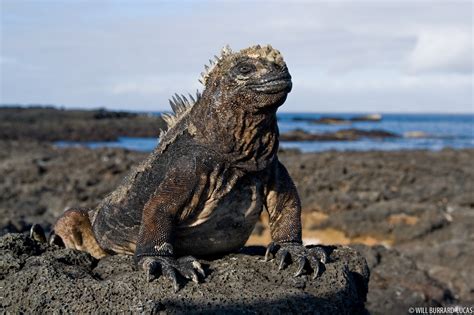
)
(421, 201)
(340, 135)
(371, 117)
(333, 120)
(36, 277)
(51, 124)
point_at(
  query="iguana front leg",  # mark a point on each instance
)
(154, 251)
(284, 208)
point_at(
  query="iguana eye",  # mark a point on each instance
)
(246, 68)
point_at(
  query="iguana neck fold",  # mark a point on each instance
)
(247, 140)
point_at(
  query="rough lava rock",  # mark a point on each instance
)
(351, 134)
(397, 283)
(38, 277)
(422, 201)
(53, 124)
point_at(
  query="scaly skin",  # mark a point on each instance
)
(202, 189)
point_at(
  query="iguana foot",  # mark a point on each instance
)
(305, 257)
(168, 266)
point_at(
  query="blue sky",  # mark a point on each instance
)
(344, 56)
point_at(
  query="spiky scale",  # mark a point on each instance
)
(173, 105)
(226, 50)
(186, 102)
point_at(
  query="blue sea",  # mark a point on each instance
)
(416, 131)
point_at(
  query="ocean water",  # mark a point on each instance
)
(433, 132)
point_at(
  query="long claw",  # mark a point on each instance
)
(55, 239)
(301, 265)
(198, 267)
(37, 233)
(282, 263)
(189, 273)
(149, 276)
(270, 249)
(320, 253)
(171, 274)
(175, 283)
(150, 267)
(314, 262)
(194, 277)
(316, 272)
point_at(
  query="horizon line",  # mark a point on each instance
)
(108, 108)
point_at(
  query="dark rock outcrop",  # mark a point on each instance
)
(370, 117)
(340, 135)
(397, 283)
(328, 120)
(422, 201)
(51, 124)
(37, 277)
(324, 120)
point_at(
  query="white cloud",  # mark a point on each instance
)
(442, 50)
(152, 85)
(4, 60)
(146, 85)
(376, 81)
(137, 54)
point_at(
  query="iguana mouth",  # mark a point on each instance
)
(273, 85)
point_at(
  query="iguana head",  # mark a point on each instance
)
(255, 77)
(236, 113)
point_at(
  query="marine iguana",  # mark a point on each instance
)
(202, 189)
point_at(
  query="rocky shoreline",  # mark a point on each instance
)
(350, 134)
(413, 210)
(410, 214)
(328, 120)
(52, 124)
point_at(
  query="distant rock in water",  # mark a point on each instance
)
(102, 113)
(51, 124)
(324, 120)
(424, 135)
(371, 117)
(416, 134)
(332, 120)
(340, 135)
